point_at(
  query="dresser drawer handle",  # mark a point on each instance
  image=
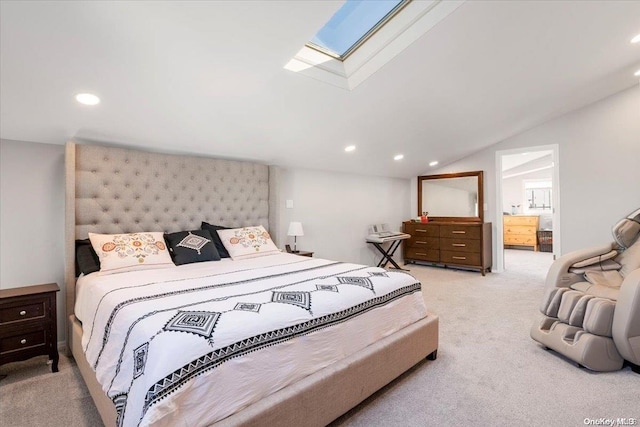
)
(22, 313)
(421, 253)
(421, 243)
(459, 257)
(421, 231)
(458, 232)
(460, 245)
(23, 341)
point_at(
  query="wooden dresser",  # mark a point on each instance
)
(521, 230)
(28, 323)
(454, 244)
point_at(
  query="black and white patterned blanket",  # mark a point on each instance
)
(151, 336)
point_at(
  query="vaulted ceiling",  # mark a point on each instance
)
(208, 78)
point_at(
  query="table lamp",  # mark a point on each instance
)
(295, 230)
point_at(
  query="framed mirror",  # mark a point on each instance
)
(451, 196)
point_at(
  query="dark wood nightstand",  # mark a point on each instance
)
(303, 253)
(28, 324)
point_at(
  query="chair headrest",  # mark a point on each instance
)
(627, 230)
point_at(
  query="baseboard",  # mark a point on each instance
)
(62, 346)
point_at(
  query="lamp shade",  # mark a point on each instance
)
(295, 229)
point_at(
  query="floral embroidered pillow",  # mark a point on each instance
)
(247, 242)
(127, 252)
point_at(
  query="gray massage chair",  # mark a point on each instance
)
(591, 303)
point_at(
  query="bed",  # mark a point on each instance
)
(308, 381)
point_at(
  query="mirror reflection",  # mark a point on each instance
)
(456, 196)
(450, 197)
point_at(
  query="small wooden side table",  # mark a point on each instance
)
(303, 253)
(28, 323)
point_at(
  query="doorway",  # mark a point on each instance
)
(527, 191)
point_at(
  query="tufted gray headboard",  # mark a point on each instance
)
(119, 190)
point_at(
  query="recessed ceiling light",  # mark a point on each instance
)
(636, 39)
(637, 73)
(435, 162)
(398, 157)
(87, 99)
(349, 148)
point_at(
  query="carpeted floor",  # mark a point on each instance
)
(488, 371)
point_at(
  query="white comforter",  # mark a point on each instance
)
(194, 344)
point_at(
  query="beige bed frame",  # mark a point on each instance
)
(108, 179)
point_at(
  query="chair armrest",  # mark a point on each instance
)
(559, 276)
(626, 318)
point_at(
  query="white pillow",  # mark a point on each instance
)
(247, 242)
(127, 252)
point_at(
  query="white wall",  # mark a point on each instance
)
(336, 210)
(513, 187)
(599, 152)
(32, 218)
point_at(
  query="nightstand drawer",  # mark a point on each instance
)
(23, 311)
(28, 323)
(21, 340)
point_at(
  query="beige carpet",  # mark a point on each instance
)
(488, 371)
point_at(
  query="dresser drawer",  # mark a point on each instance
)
(520, 229)
(520, 240)
(420, 230)
(460, 245)
(463, 231)
(520, 220)
(420, 242)
(25, 310)
(432, 255)
(461, 258)
(22, 340)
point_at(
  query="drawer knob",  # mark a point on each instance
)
(420, 243)
(421, 253)
(459, 257)
(421, 231)
(23, 341)
(22, 313)
(459, 232)
(461, 245)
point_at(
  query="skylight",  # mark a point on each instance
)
(364, 35)
(352, 24)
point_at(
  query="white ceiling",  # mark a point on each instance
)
(208, 77)
(512, 161)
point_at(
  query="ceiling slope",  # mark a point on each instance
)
(208, 78)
